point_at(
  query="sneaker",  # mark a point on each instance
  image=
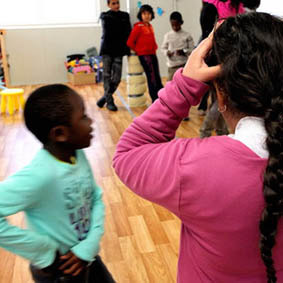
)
(100, 103)
(111, 106)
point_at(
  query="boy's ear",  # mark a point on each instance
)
(59, 134)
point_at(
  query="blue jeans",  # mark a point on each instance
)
(95, 273)
(112, 72)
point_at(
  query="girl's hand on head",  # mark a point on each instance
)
(196, 68)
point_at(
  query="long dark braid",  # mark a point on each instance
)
(273, 184)
(250, 49)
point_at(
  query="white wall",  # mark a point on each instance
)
(37, 55)
(273, 7)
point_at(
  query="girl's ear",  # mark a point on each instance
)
(220, 97)
(59, 134)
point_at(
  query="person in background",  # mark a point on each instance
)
(251, 5)
(177, 45)
(57, 192)
(227, 190)
(116, 28)
(227, 8)
(142, 42)
(211, 11)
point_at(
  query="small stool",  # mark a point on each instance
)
(12, 98)
(136, 82)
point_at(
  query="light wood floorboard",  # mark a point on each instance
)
(141, 239)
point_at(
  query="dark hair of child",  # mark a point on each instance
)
(251, 51)
(108, 1)
(177, 17)
(48, 107)
(251, 4)
(145, 8)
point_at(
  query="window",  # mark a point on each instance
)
(28, 13)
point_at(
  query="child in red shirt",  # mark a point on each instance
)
(142, 41)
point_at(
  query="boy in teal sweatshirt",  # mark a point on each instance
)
(57, 192)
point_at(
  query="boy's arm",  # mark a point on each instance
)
(190, 45)
(129, 26)
(127, 32)
(105, 21)
(89, 247)
(165, 45)
(20, 193)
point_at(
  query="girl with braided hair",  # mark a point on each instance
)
(252, 83)
(226, 190)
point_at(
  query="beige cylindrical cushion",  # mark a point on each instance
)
(135, 69)
(137, 101)
(136, 82)
(134, 65)
(138, 79)
(133, 60)
(136, 88)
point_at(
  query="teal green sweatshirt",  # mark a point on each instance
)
(63, 208)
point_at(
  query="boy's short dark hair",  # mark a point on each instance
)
(108, 1)
(177, 17)
(145, 8)
(47, 107)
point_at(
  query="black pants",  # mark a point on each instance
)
(95, 273)
(203, 102)
(151, 69)
(112, 72)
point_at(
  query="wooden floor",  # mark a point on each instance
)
(141, 239)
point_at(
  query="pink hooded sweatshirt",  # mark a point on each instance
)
(224, 9)
(214, 185)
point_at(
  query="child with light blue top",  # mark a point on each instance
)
(57, 192)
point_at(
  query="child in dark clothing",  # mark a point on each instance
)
(116, 28)
(142, 41)
(56, 191)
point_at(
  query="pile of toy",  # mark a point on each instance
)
(80, 63)
(96, 62)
